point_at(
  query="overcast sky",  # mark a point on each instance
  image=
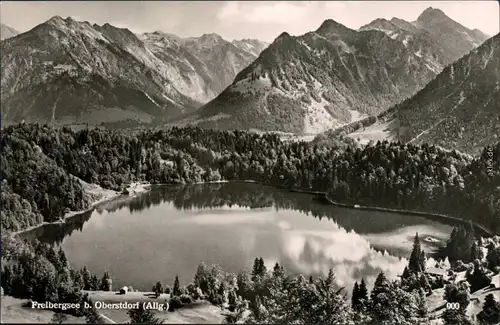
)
(263, 20)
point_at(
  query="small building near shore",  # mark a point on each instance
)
(123, 290)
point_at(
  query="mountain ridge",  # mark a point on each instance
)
(116, 73)
(329, 77)
(458, 109)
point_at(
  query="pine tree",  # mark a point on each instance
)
(380, 301)
(94, 283)
(355, 296)
(255, 269)
(158, 288)
(143, 316)
(86, 276)
(106, 282)
(200, 278)
(382, 285)
(262, 267)
(278, 271)
(363, 292)
(422, 260)
(491, 311)
(478, 278)
(406, 273)
(424, 282)
(176, 291)
(415, 263)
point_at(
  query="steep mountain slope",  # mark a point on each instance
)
(434, 36)
(7, 32)
(201, 67)
(66, 72)
(453, 36)
(69, 72)
(317, 81)
(459, 109)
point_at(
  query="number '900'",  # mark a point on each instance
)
(452, 305)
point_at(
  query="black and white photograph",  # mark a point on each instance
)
(250, 162)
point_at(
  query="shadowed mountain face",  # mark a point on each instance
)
(460, 109)
(67, 72)
(455, 38)
(335, 75)
(7, 32)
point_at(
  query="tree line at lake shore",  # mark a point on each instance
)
(39, 272)
(42, 165)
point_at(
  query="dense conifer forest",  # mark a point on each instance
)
(43, 168)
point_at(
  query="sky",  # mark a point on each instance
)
(263, 20)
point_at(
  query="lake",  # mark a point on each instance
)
(171, 229)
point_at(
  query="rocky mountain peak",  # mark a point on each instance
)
(283, 36)
(211, 38)
(56, 18)
(379, 23)
(330, 26)
(432, 15)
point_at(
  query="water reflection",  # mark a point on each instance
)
(171, 229)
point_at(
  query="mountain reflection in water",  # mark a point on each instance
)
(171, 229)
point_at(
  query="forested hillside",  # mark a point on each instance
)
(39, 162)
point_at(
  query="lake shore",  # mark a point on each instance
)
(99, 196)
(407, 212)
(326, 197)
(137, 188)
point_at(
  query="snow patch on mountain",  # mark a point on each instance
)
(406, 39)
(151, 99)
(170, 99)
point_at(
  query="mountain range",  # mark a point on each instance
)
(335, 75)
(69, 72)
(7, 32)
(459, 109)
(434, 36)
